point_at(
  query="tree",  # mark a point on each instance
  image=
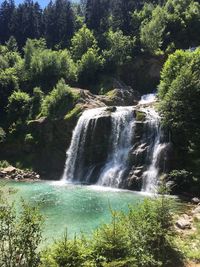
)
(122, 15)
(82, 41)
(180, 103)
(89, 67)
(59, 23)
(119, 49)
(20, 235)
(27, 22)
(151, 35)
(44, 67)
(97, 12)
(7, 10)
(18, 108)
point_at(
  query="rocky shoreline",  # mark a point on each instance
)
(12, 173)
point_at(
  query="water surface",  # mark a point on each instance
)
(76, 208)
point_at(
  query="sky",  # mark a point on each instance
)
(42, 3)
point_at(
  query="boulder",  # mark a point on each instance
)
(9, 170)
(184, 222)
(196, 210)
(195, 200)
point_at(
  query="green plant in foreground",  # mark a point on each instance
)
(141, 238)
(20, 235)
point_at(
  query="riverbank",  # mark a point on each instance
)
(12, 173)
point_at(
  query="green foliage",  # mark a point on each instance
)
(4, 164)
(45, 67)
(59, 101)
(111, 241)
(180, 94)
(19, 236)
(19, 104)
(171, 70)
(119, 48)
(152, 32)
(2, 135)
(37, 99)
(89, 67)
(75, 112)
(81, 42)
(29, 139)
(140, 238)
(181, 179)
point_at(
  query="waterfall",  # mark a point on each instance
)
(150, 176)
(75, 153)
(110, 147)
(121, 139)
(118, 135)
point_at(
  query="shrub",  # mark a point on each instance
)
(89, 67)
(181, 179)
(4, 164)
(19, 236)
(82, 41)
(18, 108)
(59, 101)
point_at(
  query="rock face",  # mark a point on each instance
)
(117, 147)
(51, 137)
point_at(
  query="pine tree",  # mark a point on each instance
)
(59, 23)
(97, 13)
(27, 22)
(7, 9)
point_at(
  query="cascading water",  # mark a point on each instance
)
(75, 153)
(117, 134)
(121, 139)
(110, 147)
(150, 176)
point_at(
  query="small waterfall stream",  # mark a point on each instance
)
(104, 140)
(150, 176)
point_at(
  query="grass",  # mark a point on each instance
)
(189, 243)
(75, 112)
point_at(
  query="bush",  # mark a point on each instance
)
(89, 67)
(181, 180)
(81, 42)
(19, 236)
(4, 164)
(19, 104)
(59, 101)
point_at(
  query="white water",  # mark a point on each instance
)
(150, 176)
(121, 139)
(78, 139)
(116, 167)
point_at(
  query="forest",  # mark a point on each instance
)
(91, 45)
(57, 62)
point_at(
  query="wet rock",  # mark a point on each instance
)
(195, 200)
(111, 109)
